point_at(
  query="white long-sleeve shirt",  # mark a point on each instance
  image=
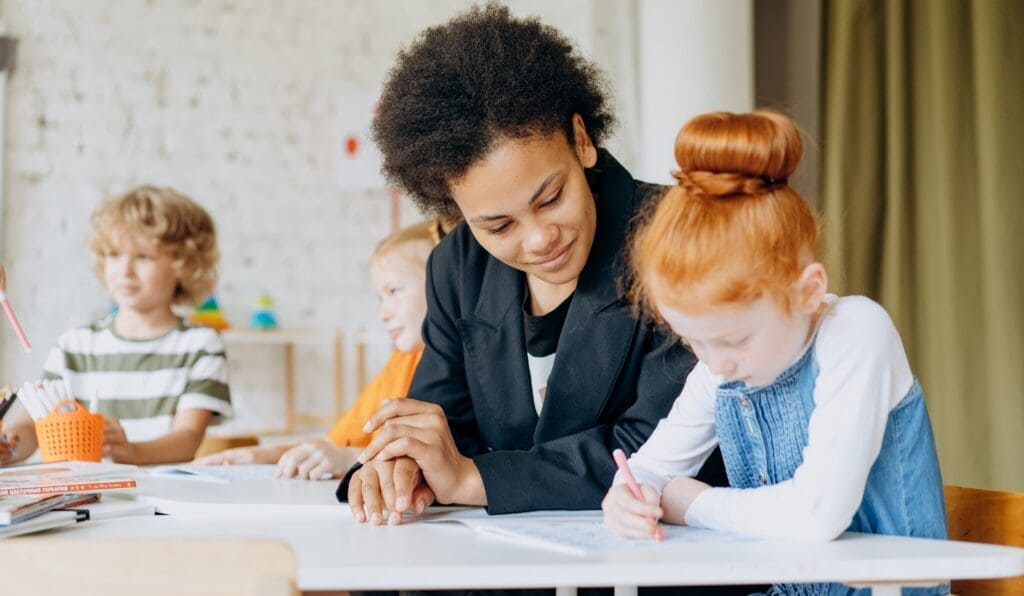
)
(863, 375)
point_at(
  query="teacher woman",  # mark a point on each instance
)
(535, 366)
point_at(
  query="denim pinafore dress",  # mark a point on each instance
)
(762, 432)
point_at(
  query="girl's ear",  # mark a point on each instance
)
(811, 288)
(585, 150)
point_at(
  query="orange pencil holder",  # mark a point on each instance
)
(70, 434)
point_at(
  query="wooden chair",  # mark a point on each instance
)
(217, 444)
(165, 567)
(993, 517)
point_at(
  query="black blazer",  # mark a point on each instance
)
(613, 378)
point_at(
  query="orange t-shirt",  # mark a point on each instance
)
(393, 381)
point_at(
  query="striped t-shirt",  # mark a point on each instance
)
(143, 382)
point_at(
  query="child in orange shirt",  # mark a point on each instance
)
(398, 272)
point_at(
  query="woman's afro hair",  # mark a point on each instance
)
(465, 86)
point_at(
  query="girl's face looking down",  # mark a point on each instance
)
(752, 343)
(756, 341)
(399, 286)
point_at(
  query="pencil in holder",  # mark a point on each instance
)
(74, 434)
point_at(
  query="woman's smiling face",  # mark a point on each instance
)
(529, 205)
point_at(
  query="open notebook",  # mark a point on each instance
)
(572, 532)
(218, 473)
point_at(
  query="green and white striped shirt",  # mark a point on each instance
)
(144, 382)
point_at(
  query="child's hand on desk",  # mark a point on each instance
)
(115, 442)
(315, 459)
(240, 456)
(630, 517)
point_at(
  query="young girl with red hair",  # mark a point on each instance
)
(821, 423)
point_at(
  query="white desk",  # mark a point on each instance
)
(187, 496)
(335, 553)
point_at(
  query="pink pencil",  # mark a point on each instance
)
(620, 460)
(10, 312)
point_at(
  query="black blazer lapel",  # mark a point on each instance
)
(496, 352)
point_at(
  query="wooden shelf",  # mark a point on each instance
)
(279, 336)
(286, 340)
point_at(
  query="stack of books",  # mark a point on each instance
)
(39, 497)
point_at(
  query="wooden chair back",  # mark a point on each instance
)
(994, 517)
(211, 445)
(165, 567)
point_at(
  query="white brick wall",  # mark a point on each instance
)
(229, 102)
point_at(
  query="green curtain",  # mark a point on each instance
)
(923, 202)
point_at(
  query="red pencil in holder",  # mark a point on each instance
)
(70, 434)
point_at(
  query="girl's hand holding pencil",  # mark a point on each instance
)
(632, 510)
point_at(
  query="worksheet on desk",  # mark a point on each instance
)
(218, 473)
(223, 473)
(573, 532)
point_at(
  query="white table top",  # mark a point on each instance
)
(173, 495)
(335, 553)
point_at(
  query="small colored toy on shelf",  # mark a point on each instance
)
(263, 316)
(208, 314)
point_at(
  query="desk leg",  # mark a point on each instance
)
(625, 590)
(565, 591)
